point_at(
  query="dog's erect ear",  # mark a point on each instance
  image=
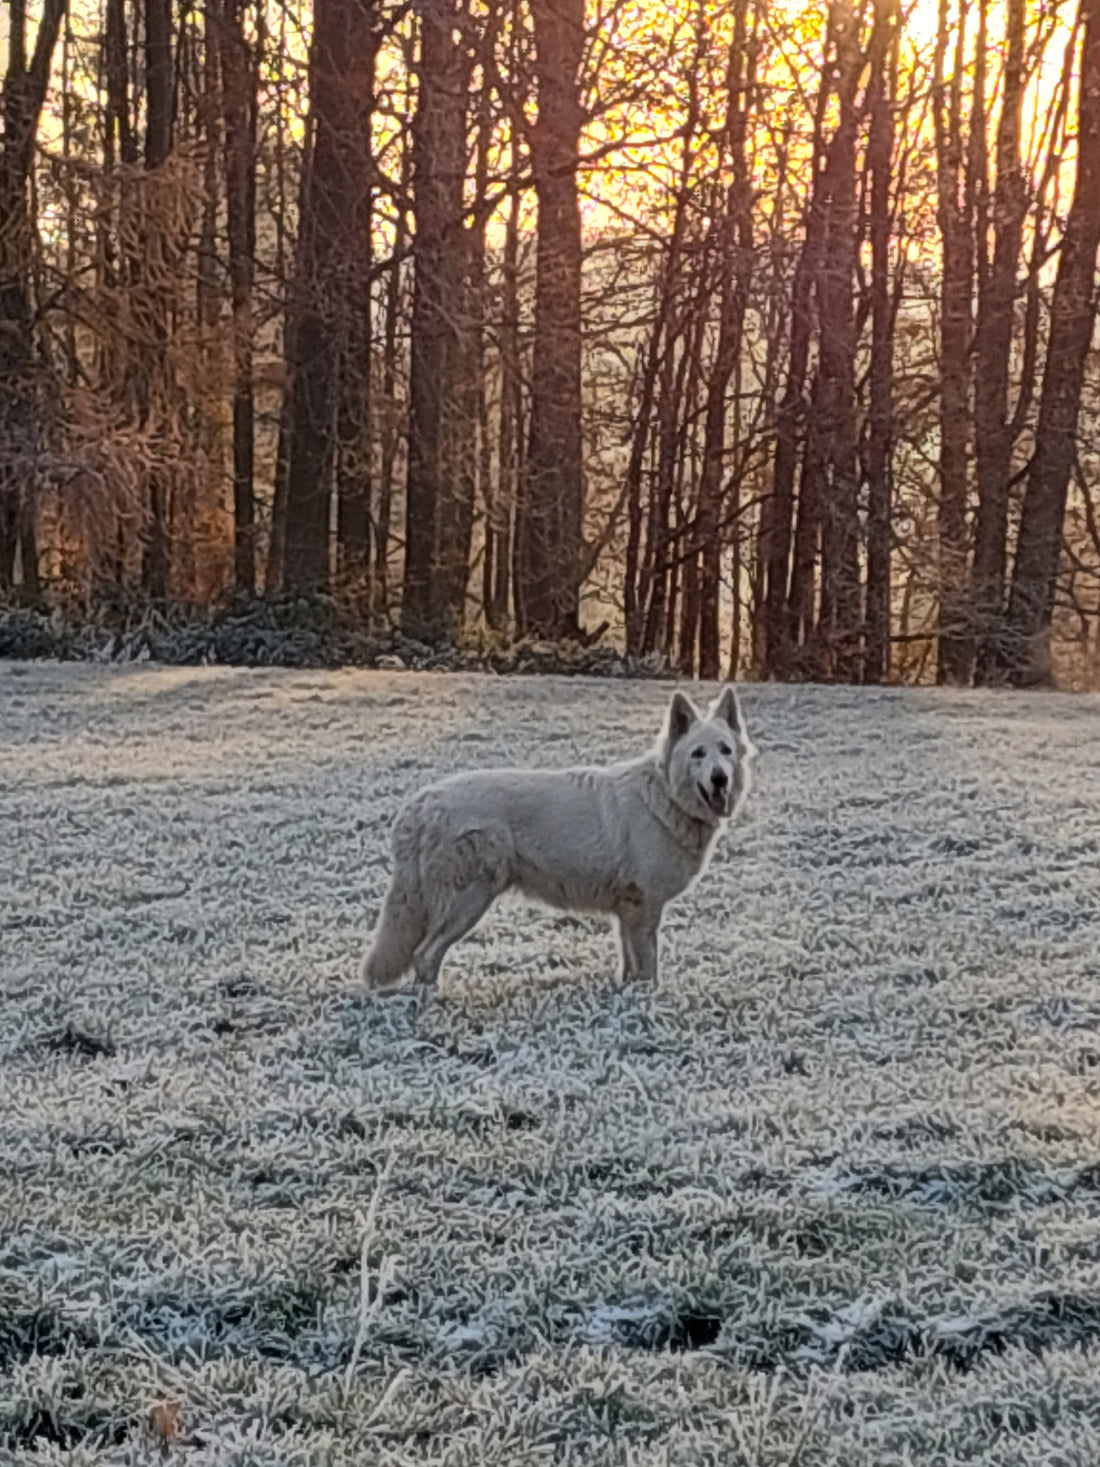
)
(728, 710)
(681, 715)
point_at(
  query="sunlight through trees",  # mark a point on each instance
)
(755, 337)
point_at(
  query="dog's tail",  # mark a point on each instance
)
(401, 928)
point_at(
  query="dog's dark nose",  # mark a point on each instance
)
(719, 779)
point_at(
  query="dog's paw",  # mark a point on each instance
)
(389, 990)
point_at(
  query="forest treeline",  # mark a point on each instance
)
(757, 335)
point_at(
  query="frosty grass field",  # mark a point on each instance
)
(830, 1195)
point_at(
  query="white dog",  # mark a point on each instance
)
(623, 839)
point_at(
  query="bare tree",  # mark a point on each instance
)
(1026, 647)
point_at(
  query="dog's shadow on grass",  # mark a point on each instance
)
(394, 1014)
(491, 1014)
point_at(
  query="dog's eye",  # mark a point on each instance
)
(698, 753)
(725, 750)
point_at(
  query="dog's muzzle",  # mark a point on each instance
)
(716, 799)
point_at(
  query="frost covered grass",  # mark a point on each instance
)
(831, 1194)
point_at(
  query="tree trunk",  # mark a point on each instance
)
(646, 571)
(955, 324)
(353, 416)
(993, 427)
(777, 516)
(119, 146)
(326, 330)
(679, 385)
(276, 548)
(551, 545)
(276, 543)
(159, 109)
(650, 558)
(882, 92)
(239, 73)
(118, 127)
(438, 358)
(511, 423)
(23, 96)
(803, 654)
(479, 304)
(391, 417)
(159, 89)
(736, 255)
(839, 616)
(663, 558)
(1072, 317)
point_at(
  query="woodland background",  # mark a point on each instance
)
(754, 336)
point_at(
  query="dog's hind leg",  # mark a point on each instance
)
(452, 921)
(399, 933)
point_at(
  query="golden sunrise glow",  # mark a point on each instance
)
(647, 66)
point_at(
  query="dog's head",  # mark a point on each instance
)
(708, 757)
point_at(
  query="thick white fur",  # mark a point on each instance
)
(624, 839)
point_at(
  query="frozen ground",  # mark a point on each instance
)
(830, 1195)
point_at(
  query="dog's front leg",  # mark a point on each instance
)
(638, 928)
